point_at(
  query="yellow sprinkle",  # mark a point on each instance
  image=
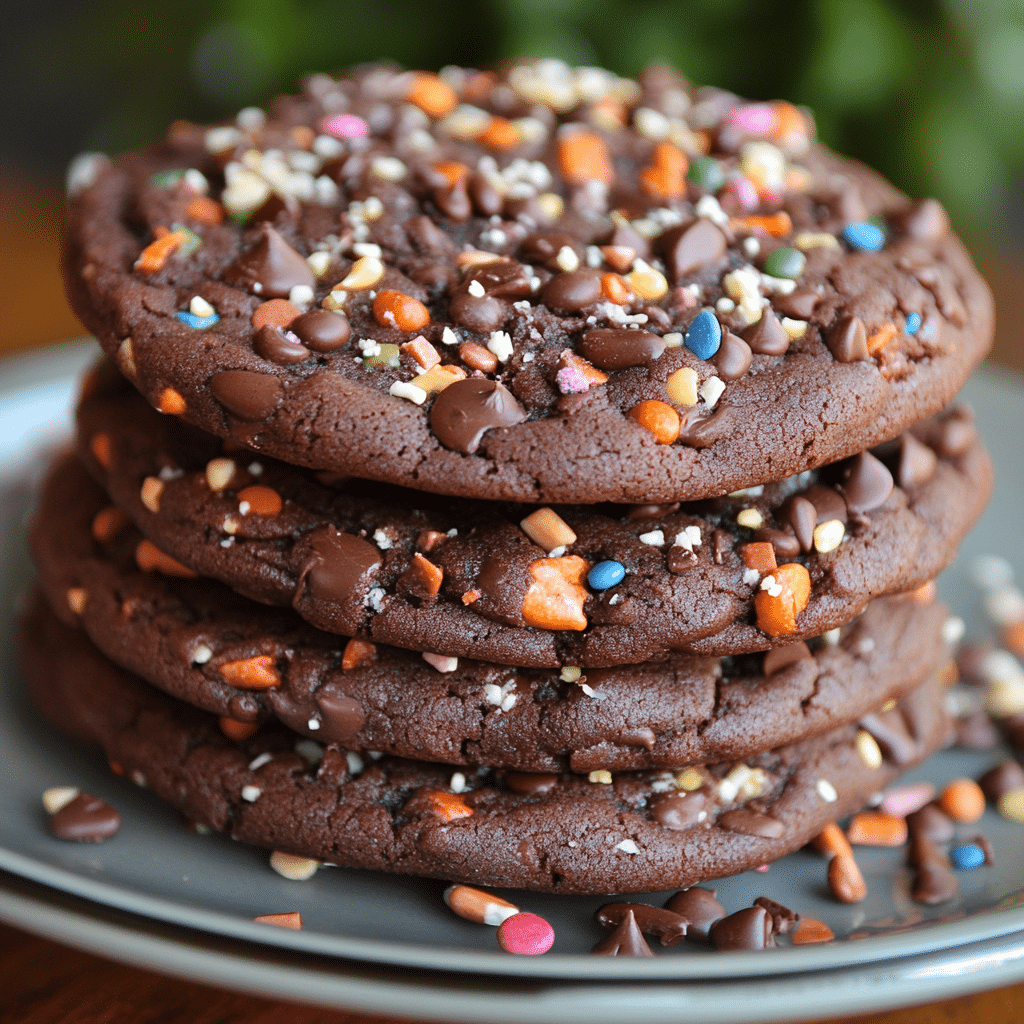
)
(602, 776)
(681, 386)
(750, 518)
(690, 780)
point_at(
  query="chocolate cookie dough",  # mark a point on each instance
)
(626, 833)
(216, 650)
(543, 285)
(517, 585)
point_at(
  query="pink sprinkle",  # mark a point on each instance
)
(526, 934)
(763, 867)
(756, 118)
(345, 126)
(572, 381)
(905, 800)
(442, 662)
(742, 189)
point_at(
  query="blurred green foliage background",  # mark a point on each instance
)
(929, 91)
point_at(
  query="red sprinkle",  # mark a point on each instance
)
(526, 934)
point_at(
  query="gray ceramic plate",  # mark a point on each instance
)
(156, 871)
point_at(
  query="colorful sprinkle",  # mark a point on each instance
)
(606, 574)
(755, 117)
(167, 179)
(913, 324)
(198, 323)
(572, 381)
(704, 335)
(864, 236)
(525, 934)
(785, 262)
(743, 191)
(967, 856)
(706, 172)
(192, 240)
(345, 126)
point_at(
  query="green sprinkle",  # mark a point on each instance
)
(167, 179)
(785, 262)
(706, 172)
(192, 240)
(388, 357)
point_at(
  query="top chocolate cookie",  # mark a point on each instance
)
(542, 285)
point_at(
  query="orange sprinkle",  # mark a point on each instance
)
(274, 313)
(204, 210)
(150, 558)
(291, 921)
(470, 596)
(661, 183)
(556, 597)
(809, 930)
(778, 225)
(500, 134)
(432, 95)
(422, 351)
(777, 615)
(759, 555)
(657, 417)
(396, 309)
(447, 806)
(256, 673)
(582, 157)
(236, 730)
(452, 170)
(101, 449)
(569, 359)
(171, 403)
(881, 338)
(108, 523)
(789, 121)
(263, 501)
(156, 254)
(924, 594)
(615, 289)
(358, 652)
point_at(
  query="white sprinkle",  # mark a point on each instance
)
(751, 246)
(672, 340)
(227, 542)
(991, 572)
(200, 307)
(1005, 606)
(139, 778)
(591, 692)
(831, 637)
(501, 345)
(772, 586)
(83, 172)
(309, 750)
(382, 540)
(656, 538)
(375, 598)
(953, 630)
(627, 846)
(751, 576)
(300, 295)
(725, 304)
(557, 552)
(219, 140)
(201, 654)
(567, 259)
(250, 119)
(476, 289)
(255, 468)
(367, 249)
(708, 207)
(711, 391)
(319, 262)
(355, 762)
(827, 791)
(458, 783)
(259, 762)
(449, 337)
(442, 662)
(389, 168)
(57, 797)
(410, 392)
(251, 793)
(313, 724)
(243, 507)
(594, 257)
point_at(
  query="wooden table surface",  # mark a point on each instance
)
(42, 982)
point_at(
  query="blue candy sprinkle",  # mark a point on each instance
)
(913, 323)
(967, 855)
(606, 574)
(199, 323)
(704, 335)
(865, 236)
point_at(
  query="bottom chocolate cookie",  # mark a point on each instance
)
(629, 832)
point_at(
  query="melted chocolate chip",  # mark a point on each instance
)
(691, 247)
(343, 717)
(339, 567)
(799, 303)
(467, 409)
(531, 783)
(749, 930)
(934, 882)
(699, 907)
(569, 293)
(86, 819)
(780, 658)
(847, 340)
(249, 395)
(665, 925)
(783, 919)
(679, 811)
(767, 337)
(274, 344)
(625, 940)
(828, 503)
(866, 483)
(733, 357)
(505, 278)
(272, 265)
(322, 330)
(479, 314)
(612, 348)
(751, 823)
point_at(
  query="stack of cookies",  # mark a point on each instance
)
(530, 479)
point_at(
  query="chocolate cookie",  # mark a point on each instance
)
(625, 833)
(474, 579)
(216, 650)
(543, 285)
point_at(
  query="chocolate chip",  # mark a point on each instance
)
(827, 502)
(322, 330)
(679, 560)
(531, 783)
(274, 206)
(866, 483)
(625, 940)
(699, 907)
(767, 337)
(484, 195)
(480, 314)
(343, 717)
(957, 433)
(249, 395)
(679, 811)
(625, 236)
(931, 822)
(543, 247)
(749, 929)
(652, 511)
(612, 348)
(733, 357)
(799, 303)
(86, 819)
(926, 221)
(1002, 779)
(917, 462)
(274, 344)
(668, 927)
(780, 658)
(453, 201)
(891, 736)
(783, 919)
(751, 823)
(272, 264)
(339, 567)
(847, 340)
(784, 542)
(505, 278)
(569, 293)
(976, 731)
(467, 409)
(691, 247)
(801, 514)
